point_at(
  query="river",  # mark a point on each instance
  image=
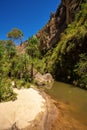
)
(75, 97)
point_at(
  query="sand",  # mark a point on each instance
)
(22, 111)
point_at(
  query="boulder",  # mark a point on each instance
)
(43, 79)
(48, 77)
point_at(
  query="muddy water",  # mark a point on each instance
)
(75, 97)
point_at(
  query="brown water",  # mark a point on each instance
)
(75, 97)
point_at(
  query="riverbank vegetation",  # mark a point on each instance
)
(14, 68)
(67, 62)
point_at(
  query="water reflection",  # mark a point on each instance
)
(75, 97)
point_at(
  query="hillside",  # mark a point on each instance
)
(63, 43)
(49, 35)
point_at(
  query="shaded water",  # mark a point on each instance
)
(73, 96)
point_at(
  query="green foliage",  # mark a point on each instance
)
(81, 71)
(6, 91)
(12, 66)
(61, 61)
(2, 50)
(34, 54)
(15, 34)
(10, 48)
(32, 48)
(21, 83)
(17, 68)
(81, 17)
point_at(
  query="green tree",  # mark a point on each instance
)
(11, 49)
(6, 91)
(3, 59)
(20, 67)
(2, 50)
(15, 34)
(33, 52)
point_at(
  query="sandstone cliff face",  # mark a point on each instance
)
(65, 14)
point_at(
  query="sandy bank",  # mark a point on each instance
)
(33, 110)
(22, 111)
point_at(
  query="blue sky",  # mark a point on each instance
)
(27, 15)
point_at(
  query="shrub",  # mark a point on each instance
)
(6, 92)
(22, 84)
(81, 71)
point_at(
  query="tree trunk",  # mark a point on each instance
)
(32, 65)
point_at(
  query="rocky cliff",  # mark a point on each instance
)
(68, 60)
(49, 35)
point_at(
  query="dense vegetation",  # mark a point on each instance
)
(16, 68)
(68, 61)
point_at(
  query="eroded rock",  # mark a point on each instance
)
(45, 79)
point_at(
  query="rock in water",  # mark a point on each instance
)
(45, 79)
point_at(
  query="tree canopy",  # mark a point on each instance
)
(15, 34)
(33, 52)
